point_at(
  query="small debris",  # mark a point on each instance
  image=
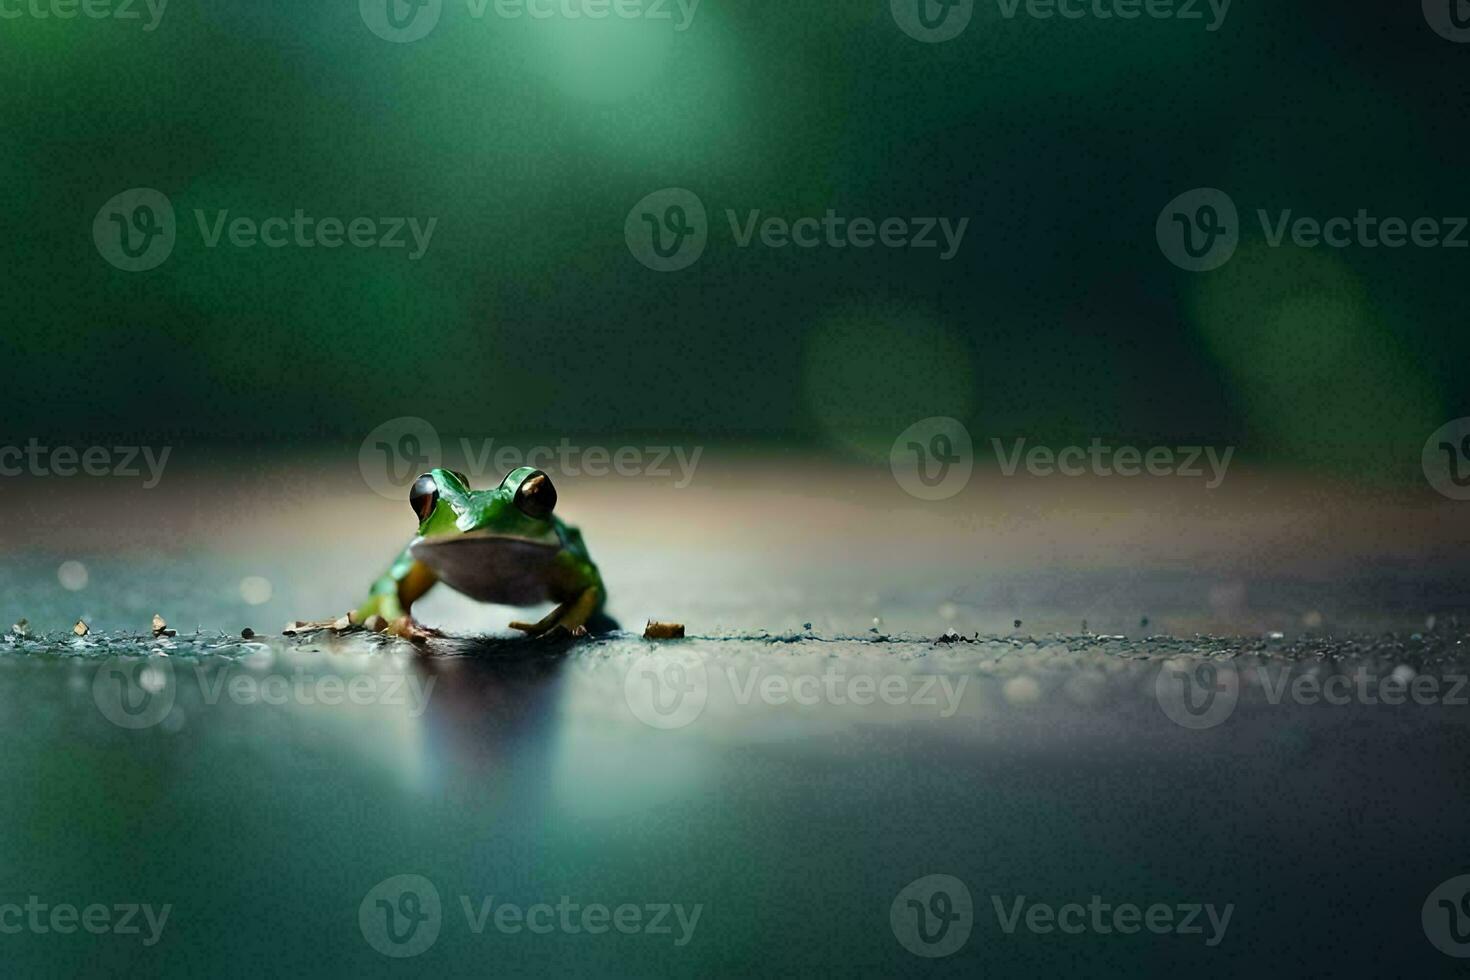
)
(160, 627)
(341, 624)
(663, 631)
(247, 633)
(80, 629)
(806, 626)
(950, 636)
(1017, 624)
(21, 628)
(1143, 623)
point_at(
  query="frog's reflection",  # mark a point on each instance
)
(490, 724)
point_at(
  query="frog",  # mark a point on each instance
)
(504, 545)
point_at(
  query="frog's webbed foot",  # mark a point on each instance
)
(567, 619)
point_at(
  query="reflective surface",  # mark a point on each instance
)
(855, 711)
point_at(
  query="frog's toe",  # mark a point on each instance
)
(405, 627)
(516, 624)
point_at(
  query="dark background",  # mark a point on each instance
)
(530, 141)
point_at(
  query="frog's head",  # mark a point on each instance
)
(492, 545)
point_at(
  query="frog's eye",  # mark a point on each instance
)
(423, 495)
(536, 497)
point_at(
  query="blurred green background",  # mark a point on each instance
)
(530, 140)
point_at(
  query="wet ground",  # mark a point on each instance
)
(1250, 759)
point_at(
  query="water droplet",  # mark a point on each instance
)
(72, 575)
(255, 590)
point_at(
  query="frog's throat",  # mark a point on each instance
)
(489, 567)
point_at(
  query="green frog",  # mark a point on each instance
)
(504, 546)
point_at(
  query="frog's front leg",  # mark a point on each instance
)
(571, 615)
(393, 596)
